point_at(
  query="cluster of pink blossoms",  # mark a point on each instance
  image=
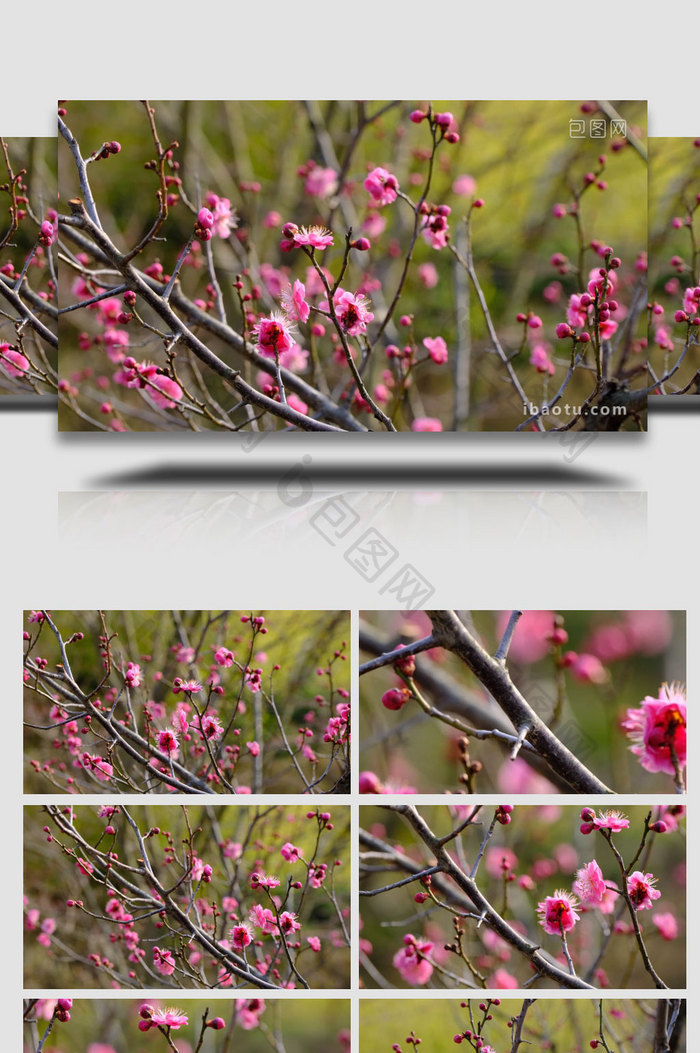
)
(559, 914)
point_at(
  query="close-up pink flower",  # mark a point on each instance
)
(273, 334)
(657, 730)
(163, 961)
(170, 1017)
(589, 885)
(415, 969)
(641, 891)
(381, 186)
(557, 913)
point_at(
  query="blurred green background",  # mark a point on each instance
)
(51, 877)
(553, 1024)
(299, 641)
(520, 154)
(674, 178)
(408, 748)
(317, 1026)
(549, 848)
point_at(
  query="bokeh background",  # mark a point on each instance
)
(519, 157)
(636, 652)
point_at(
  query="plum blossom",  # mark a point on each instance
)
(305, 237)
(133, 676)
(666, 925)
(414, 968)
(641, 891)
(224, 657)
(248, 1012)
(263, 918)
(351, 311)
(657, 730)
(558, 913)
(381, 186)
(258, 880)
(612, 820)
(13, 362)
(273, 334)
(241, 936)
(426, 424)
(163, 961)
(210, 726)
(223, 216)
(294, 301)
(437, 349)
(321, 182)
(589, 885)
(151, 1017)
(539, 358)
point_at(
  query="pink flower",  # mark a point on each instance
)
(290, 852)
(167, 741)
(610, 820)
(258, 880)
(437, 349)
(414, 968)
(224, 218)
(313, 237)
(427, 272)
(274, 334)
(294, 302)
(240, 936)
(667, 925)
(170, 1017)
(351, 311)
(168, 394)
(133, 676)
(464, 186)
(100, 768)
(369, 782)
(253, 748)
(288, 922)
(321, 182)
(501, 979)
(163, 961)
(658, 729)
(211, 727)
(248, 1012)
(263, 918)
(395, 697)
(13, 362)
(558, 913)
(381, 186)
(426, 424)
(641, 891)
(314, 943)
(539, 358)
(588, 669)
(589, 885)
(435, 230)
(224, 657)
